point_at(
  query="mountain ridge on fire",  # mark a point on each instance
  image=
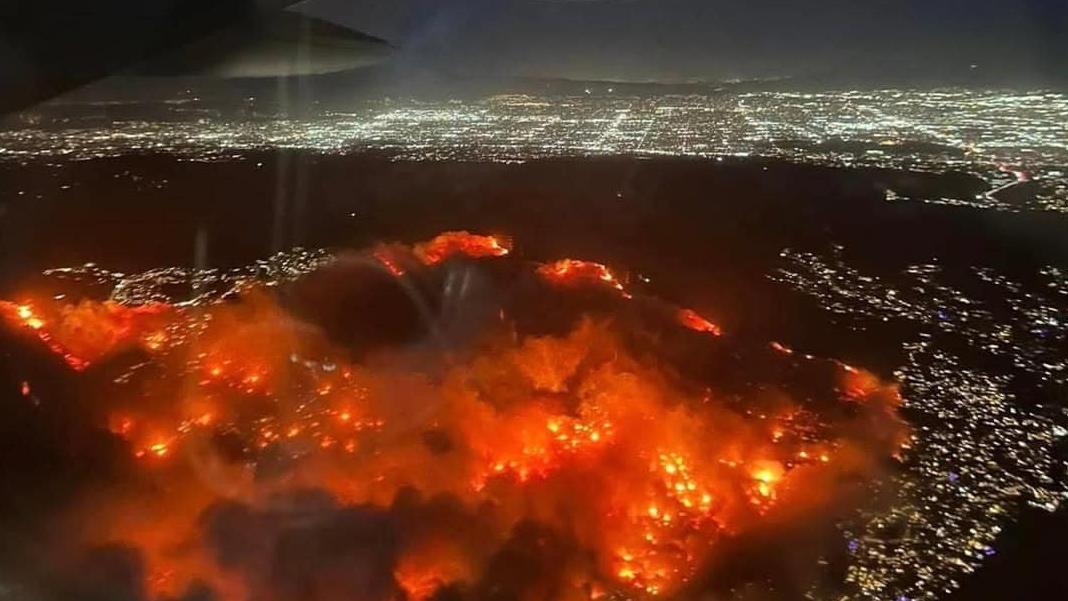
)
(443, 420)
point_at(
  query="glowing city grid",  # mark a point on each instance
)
(1001, 137)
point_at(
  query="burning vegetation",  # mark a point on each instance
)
(523, 460)
(82, 333)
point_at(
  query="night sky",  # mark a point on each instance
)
(48, 45)
(715, 39)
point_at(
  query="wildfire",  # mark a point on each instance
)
(692, 320)
(614, 454)
(467, 244)
(390, 261)
(575, 271)
(399, 259)
(421, 572)
(85, 332)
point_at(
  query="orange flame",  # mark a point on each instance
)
(570, 431)
(448, 244)
(87, 331)
(575, 271)
(692, 320)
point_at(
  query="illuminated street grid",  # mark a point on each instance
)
(1001, 137)
(980, 454)
(1025, 330)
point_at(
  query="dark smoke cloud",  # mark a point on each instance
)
(305, 546)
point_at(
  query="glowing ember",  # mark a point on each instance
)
(625, 463)
(574, 271)
(690, 319)
(781, 348)
(389, 261)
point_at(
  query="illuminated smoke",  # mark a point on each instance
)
(278, 463)
(84, 332)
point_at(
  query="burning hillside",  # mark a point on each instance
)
(525, 432)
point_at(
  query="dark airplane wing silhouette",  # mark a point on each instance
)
(271, 45)
(50, 46)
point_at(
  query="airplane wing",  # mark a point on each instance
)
(48, 47)
(281, 44)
